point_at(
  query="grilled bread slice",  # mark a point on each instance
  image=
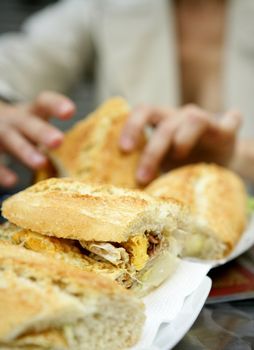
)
(90, 150)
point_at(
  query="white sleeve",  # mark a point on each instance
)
(51, 51)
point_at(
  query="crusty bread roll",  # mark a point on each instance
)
(218, 203)
(45, 304)
(130, 233)
(90, 150)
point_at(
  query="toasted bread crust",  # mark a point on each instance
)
(70, 209)
(90, 150)
(215, 195)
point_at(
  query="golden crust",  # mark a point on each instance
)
(70, 209)
(90, 150)
(215, 195)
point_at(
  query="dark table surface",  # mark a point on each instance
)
(227, 325)
(224, 326)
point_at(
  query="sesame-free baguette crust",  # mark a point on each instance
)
(70, 209)
(90, 150)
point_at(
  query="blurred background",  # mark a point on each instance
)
(12, 14)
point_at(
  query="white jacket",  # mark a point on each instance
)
(131, 43)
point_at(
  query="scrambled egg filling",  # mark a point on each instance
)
(63, 249)
(137, 247)
(37, 242)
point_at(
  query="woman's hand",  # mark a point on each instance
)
(24, 127)
(180, 136)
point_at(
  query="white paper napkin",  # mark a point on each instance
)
(165, 303)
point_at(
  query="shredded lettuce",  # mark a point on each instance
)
(251, 204)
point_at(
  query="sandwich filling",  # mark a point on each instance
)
(201, 245)
(147, 256)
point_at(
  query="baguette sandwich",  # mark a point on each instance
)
(45, 304)
(217, 200)
(126, 235)
(90, 151)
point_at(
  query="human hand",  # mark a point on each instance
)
(23, 128)
(180, 136)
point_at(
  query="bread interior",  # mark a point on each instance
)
(98, 321)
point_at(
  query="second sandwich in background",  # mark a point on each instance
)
(217, 201)
(128, 236)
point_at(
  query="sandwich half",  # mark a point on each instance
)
(45, 304)
(217, 200)
(126, 235)
(90, 150)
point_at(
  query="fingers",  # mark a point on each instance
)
(50, 104)
(39, 131)
(154, 152)
(231, 122)
(193, 124)
(20, 131)
(179, 133)
(13, 142)
(134, 128)
(7, 177)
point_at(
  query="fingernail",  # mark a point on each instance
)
(127, 144)
(9, 181)
(37, 159)
(54, 138)
(66, 109)
(143, 176)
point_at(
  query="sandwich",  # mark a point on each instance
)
(217, 202)
(45, 304)
(123, 234)
(90, 151)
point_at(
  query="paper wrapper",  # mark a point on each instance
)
(165, 304)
